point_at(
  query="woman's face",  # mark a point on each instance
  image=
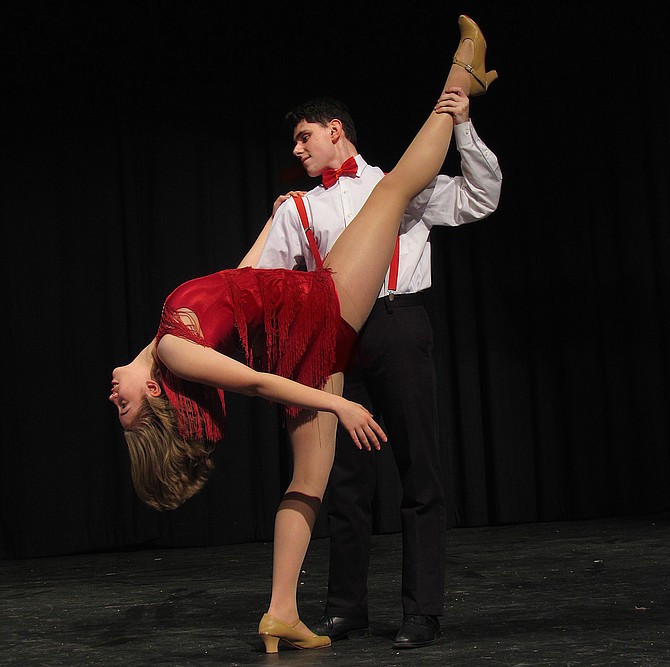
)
(130, 385)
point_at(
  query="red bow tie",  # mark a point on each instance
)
(348, 168)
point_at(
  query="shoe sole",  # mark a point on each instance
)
(414, 645)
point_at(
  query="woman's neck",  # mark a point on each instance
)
(146, 356)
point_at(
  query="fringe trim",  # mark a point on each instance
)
(201, 410)
(300, 319)
(304, 337)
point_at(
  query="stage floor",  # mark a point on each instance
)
(579, 593)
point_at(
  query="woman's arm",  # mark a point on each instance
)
(196, 363)
(254, 254)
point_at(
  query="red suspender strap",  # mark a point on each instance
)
(300, 205)
(393, 269)
(395, 260)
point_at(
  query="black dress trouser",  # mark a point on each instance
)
(393, 374)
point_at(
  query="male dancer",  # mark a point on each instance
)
(392, 372)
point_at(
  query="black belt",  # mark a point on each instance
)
(398, 301)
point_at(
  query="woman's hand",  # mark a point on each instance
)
(360, 424)
(282, 198)
(254, 254)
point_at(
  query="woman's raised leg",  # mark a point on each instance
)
(361, 255)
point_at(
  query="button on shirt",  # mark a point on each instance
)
(447, 201)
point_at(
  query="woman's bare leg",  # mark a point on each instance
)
(361, 256)
(313, 445)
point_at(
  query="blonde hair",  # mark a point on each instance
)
(166, 469)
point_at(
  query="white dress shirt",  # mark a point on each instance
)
(447, 201)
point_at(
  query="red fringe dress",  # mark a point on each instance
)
(283, 322)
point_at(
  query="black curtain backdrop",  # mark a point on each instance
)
(143, 144)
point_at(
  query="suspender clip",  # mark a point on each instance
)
(391, 295)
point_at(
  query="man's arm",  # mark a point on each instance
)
(285, 246)
(456, 200)
(253, 256)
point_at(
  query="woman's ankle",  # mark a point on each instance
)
(465, 51)
(286, 614)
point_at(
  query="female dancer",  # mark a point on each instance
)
(302, 325)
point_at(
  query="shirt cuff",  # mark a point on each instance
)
(463, 134)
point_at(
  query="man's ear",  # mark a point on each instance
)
(336, 131)
(154, 388)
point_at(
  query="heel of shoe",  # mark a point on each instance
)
(271, 643)
(489, 78)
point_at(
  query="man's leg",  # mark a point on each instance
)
(350, 493)
(404, 385)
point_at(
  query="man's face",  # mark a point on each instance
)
(314, 147)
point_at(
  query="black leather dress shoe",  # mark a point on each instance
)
(339, 627)
(417, 630)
